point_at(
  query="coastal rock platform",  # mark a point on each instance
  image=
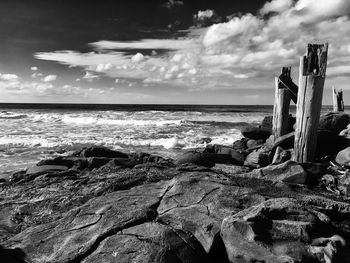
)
(99, 205)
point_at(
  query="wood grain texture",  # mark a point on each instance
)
(338, 102)
(280, 110)
(311, 83)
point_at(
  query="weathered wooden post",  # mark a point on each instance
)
(281, 106)
(312, 76)
(338, 103)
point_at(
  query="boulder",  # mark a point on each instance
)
(255, 133)
(277, 230)
(257, 158)
(345, 132)
(328, 249)
(267, 123)
(334, 122)
(252, 143)
(202, 159)
(343, 157)
(329, 143)
(285, 141)
(58, 161)
(99, 151)
(240, 145)
(225, 154)
(288, 172)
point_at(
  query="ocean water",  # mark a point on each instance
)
(29, 133)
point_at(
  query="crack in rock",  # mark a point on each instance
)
(150, 215)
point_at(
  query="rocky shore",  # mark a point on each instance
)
(245, 203)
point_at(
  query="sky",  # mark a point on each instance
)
(165, 51)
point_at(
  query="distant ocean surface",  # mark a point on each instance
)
(31, 132)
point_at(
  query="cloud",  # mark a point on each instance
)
(34, 68)
(90, 76)
(276, 6)
(170, 44)
(103, 67)
(206, 18)
(49, 78)
(137, 58)
(343, 70)
(173, 3)
(247, 48)
(8, 77)
(36, 75)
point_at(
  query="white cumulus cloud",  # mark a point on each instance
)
(49, 78)
(8, 77)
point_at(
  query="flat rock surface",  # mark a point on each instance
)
(158, 212)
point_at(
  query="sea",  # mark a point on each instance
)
(31, 132)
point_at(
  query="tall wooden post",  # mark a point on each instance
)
(281, 106)
(311, 81)
(338, 103)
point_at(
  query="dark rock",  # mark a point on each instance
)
(240, 145)
(100, 152)
(257, 158)
(334, 122)
(142, 158)
(329, 143)
(328, 249)
(45, 168)
(345, 132)
(97, 162)
(344, 183)
(17, 176)
(203, 159)
(343, 157)
(204, 140)
(329, 182)
(155, 212)
(232, 169)
(197, 203)
(277, 224)
(150, 242)
(289, 172)
(74, 237)
(225, 154)
(58, 161)
(267, 123)
(252, 143)
(255, 133)
(281, 155)
(285, 141)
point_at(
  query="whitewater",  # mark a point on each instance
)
(29, 135)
